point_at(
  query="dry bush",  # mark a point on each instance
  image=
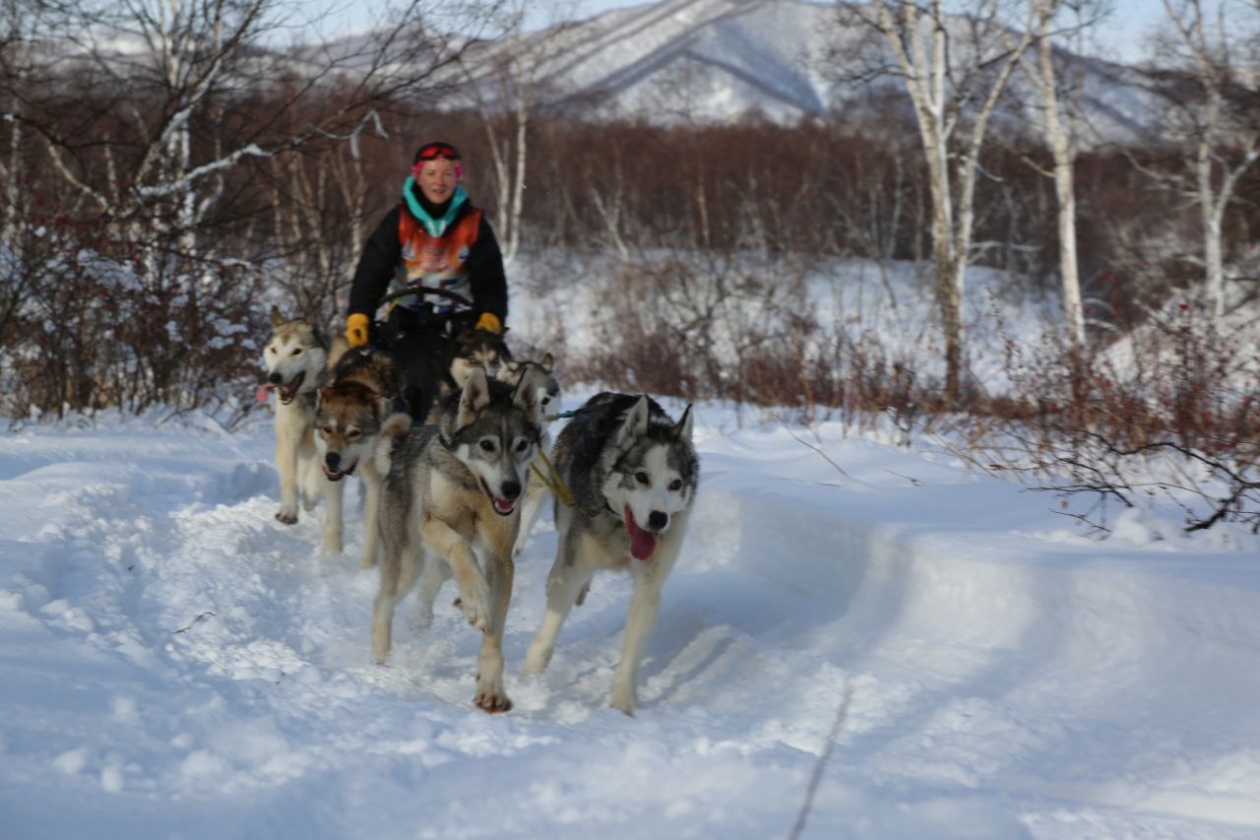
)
(93, 333)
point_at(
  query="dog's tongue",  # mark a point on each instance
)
(263, 393)
(502, 506)
(642, 543)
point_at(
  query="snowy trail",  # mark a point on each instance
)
(175, 663)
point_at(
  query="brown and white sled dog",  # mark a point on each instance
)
(633, 474)
(296, 356)
(362, 387)
(453, 489)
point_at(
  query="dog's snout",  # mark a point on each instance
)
(274, 378)
(333, 460)
(657, 520)
(511, 490)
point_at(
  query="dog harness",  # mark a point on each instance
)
(434, 253)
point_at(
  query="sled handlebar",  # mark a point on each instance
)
(454, 297)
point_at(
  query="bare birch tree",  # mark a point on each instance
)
(1060, 117)
(507, 81)
(167, 78)
(1216, 109)
(954, 62)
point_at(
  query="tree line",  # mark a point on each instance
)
(168, 170)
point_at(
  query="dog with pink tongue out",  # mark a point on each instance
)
(631, 474)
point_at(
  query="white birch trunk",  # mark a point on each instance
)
(1064, 154)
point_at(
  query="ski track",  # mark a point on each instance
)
(985, 695)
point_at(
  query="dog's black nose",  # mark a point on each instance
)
(657, 520)
(333, 460)
(274, 379)
(510, 490)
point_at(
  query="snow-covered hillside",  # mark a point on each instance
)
(714, 60)
(175, 663)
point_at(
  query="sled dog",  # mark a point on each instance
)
(295, 357)
(475, 348)
(548, 393)
(547, 390)
(633, 474)
(450, 489)
(363, 386)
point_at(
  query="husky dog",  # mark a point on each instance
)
(547, 391)
(633, 474)
(453, 488)
(474, 348)
(295, 357)
(363, 385)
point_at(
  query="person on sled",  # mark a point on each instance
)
(433, 238)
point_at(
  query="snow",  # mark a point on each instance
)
(175, 663)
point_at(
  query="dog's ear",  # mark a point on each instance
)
(548, 363)
(324, 393)
(276, 318)
(683, 429)
(636, 423)
(475, 397)
(525, 397)
(337, 350)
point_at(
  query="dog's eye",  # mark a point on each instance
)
(522, 445)
(676, 485)
(271, 350)
(297, 351)
(328, 430)
(487, 445)
(642, 478)
(354, 434)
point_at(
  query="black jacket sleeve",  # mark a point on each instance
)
(376, 266)
(486, 275)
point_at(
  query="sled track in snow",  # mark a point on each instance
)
(968, 665)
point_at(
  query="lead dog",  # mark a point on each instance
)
(633, 474)
(452, 489)
(295, 357)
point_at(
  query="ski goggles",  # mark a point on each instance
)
(437, 151)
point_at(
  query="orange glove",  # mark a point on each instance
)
(357, 329)
(490, 322)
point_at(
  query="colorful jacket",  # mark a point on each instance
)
(415, 245)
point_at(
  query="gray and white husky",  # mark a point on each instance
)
(295, 357)
(454, 489)
(633, 474)
(547, 391)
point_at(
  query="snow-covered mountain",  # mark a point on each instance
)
(715, 60)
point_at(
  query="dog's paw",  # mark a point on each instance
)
(368, 560)
(287, 517)
(491, 698)
(332, 545)
(624, 701)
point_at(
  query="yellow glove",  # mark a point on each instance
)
(490, 322)
(357, 329)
